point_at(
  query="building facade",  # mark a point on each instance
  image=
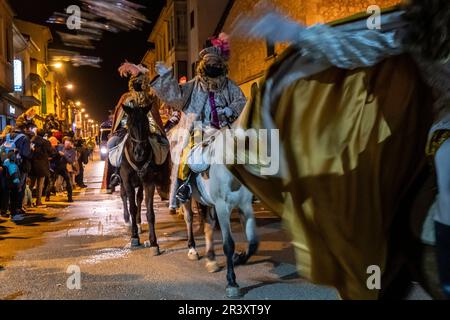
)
(7, 109)
(181, 32)
(203, 18)
(39, 85)
(250, 59)
(169, 39)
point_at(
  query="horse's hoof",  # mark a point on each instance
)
(233, 292)
(239, 258)
(212, 266)
(193, 255)
(135, 243)
(154, 251)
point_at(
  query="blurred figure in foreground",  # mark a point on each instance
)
(348, 101)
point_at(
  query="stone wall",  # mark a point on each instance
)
(250, 59)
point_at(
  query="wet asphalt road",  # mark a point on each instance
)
(36, 254)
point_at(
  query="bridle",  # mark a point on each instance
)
(136, 140)
(140, 171)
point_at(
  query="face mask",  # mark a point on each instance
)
(137, 86)
(214, 72)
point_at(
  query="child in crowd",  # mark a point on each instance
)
(28, 199)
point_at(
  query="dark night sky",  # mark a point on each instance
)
(99, 89)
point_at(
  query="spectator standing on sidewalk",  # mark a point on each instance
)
(82, 159)
(65, 155)
(22, 159)
(40, 169)
(4, 191)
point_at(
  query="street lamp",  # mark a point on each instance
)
(85, 125)
(58, 65)
(69, 86)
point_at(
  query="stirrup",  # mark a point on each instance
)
(115, 180)
(184, 193)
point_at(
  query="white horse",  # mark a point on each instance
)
(219, 192)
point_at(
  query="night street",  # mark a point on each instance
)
(311, 136)
(91, 234)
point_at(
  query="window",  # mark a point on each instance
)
(2, 37)
(192, 19)
(194, 69)
(171, 34)
(182, 69)
(165, 43)
(181, 29)
(44, 99)
(9, 45)
(270, 49)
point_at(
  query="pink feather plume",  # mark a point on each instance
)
(223, 43)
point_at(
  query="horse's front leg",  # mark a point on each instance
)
(224, 216)
(126, 212)
(246, 212)
(189, 219)
(149, 194)
(131, 194)
(209, 223)
(139, 199)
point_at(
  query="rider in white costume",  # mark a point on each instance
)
(210, 98)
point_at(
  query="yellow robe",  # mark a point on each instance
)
(353, 145)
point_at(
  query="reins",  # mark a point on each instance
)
(140, 171)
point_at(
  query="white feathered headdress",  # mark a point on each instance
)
(130, 69)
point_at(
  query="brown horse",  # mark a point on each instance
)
(139, 171)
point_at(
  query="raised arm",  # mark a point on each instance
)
(344, 49)
(165, 87)
(348, 50)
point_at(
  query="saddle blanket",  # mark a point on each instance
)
(116, 153)
(160, 148)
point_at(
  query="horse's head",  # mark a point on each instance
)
(139, 132)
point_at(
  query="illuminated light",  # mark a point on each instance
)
(58, 65)
(78, 103)
(83, 110)
(104, 150)
(70, 86)
(18, 76)
(12, 110)
(183, 80)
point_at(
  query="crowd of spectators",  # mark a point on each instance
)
(38, 162)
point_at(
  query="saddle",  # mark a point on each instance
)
(201, 155)
(116, 153)
(160, 147)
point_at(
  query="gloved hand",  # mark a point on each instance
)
(127, 69)
(267, 24)
(161, 68)
(227, 112)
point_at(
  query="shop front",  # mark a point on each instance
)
(10, 110)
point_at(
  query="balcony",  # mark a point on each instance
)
(36, 81)
(30, 101)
